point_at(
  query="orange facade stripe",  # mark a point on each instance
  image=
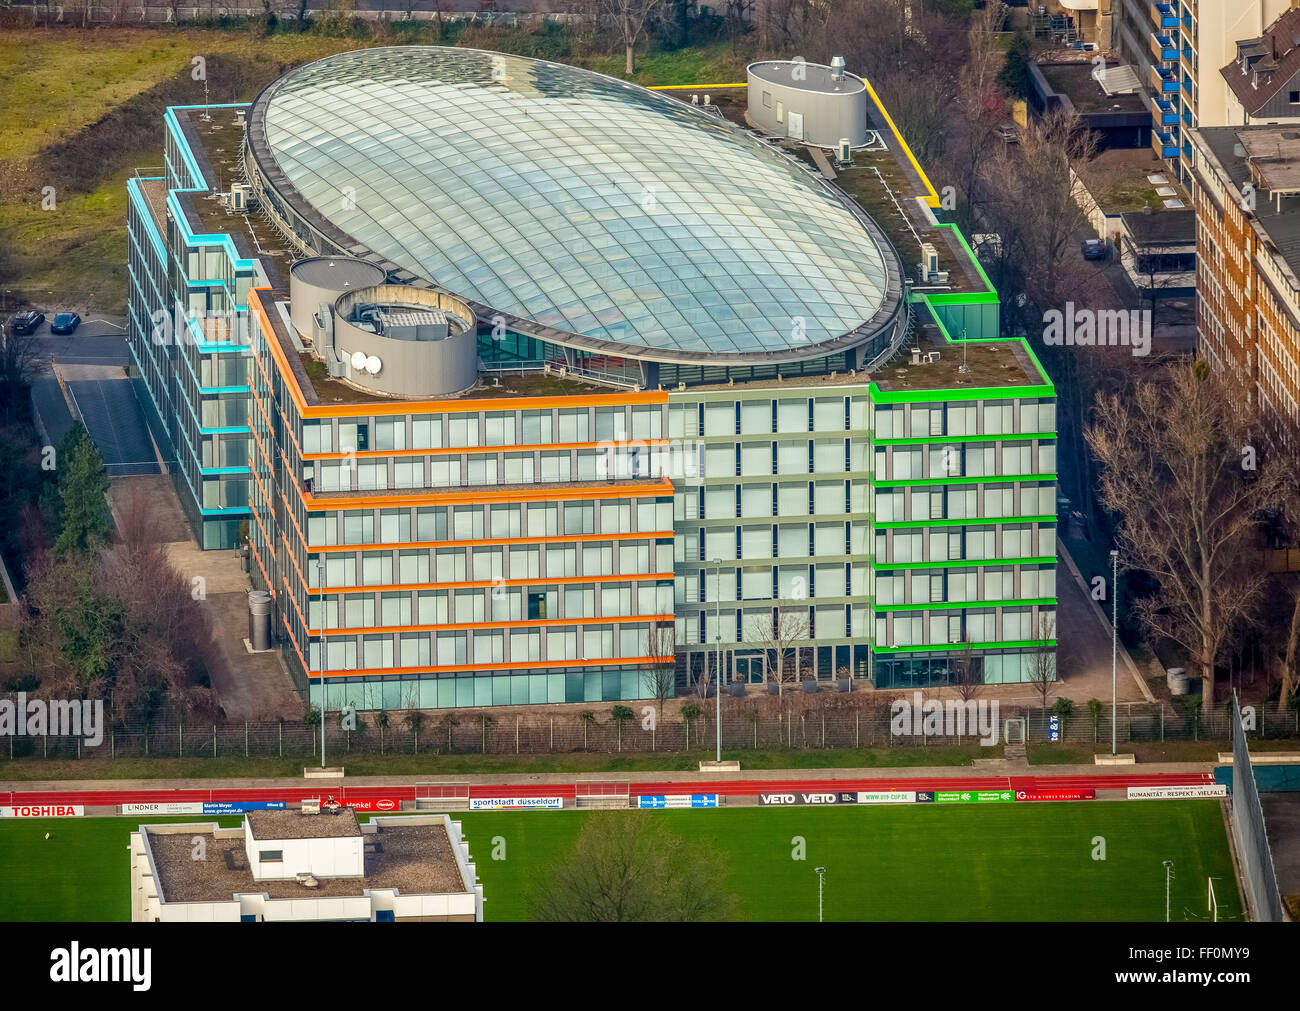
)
(535, 447)
(488, 626)
(482, 584)
(525, 665)
(488, 495)
(635, 535)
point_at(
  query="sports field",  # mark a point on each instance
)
(921, 862)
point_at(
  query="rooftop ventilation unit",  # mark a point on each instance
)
(239, 194)
(837, 68)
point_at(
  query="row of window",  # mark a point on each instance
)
(458, 565)
(899, 463)
(994, 417)
(1011, 625)
(489, 604)
(990, 500)
(477, 522)
(975, 543)
(992, 583)
(492, 428)
(482, 646)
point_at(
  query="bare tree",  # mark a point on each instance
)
(778, 634)
(1181, 469)
(661, 678)
(629, 868)
(630, 18)
(966, 681)
(1042, 658)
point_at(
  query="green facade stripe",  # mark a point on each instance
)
(982, 521)
(965, 563)
(974, 647)
(964, 605)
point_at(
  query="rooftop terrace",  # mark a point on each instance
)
(221, 139)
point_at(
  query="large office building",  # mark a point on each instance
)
(1178, 49)
(552, 383)
(1248, 267)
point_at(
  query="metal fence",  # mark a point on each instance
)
(796, 723)
(1248, 831)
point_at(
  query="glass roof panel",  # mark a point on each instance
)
(553, 193)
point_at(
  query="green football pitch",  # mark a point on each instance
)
(932, 862)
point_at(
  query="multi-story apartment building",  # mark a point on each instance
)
(545, 407)
(1248, 266)
(1178, 48)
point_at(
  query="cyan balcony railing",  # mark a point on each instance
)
(1164, 80)
(1163, 15)
(1167, 144)
(1166, 113)
(1163, 47)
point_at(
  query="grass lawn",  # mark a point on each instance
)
(924, 862)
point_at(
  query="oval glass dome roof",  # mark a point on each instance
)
(578, 202)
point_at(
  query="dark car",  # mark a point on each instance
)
(1093, 249)
(28, 321)
(65, 322)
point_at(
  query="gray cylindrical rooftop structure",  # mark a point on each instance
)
(808, 102)
(321, 280)
(401, 341)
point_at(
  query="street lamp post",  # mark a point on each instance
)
(821, 881)
(1114, 648)
(717, 676)
(1169, 873)
(322, 664)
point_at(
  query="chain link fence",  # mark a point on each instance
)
(756, 725)
(1249, 833)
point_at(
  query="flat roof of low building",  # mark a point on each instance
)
(296, 825)
(1169, 228)
(412, 854)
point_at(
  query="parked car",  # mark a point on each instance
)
(28, 321)
(65, 322)
(1008, 133)
(1093, 249)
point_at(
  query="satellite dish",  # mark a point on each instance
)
(358, 360)
(373, 365)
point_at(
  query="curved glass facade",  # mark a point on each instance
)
(576, 201)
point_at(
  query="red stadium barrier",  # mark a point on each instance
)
(569, 791)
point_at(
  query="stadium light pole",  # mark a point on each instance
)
(1169, 873)
(1114, 648)
(821, 881)
(316, 562)
(717, 632)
